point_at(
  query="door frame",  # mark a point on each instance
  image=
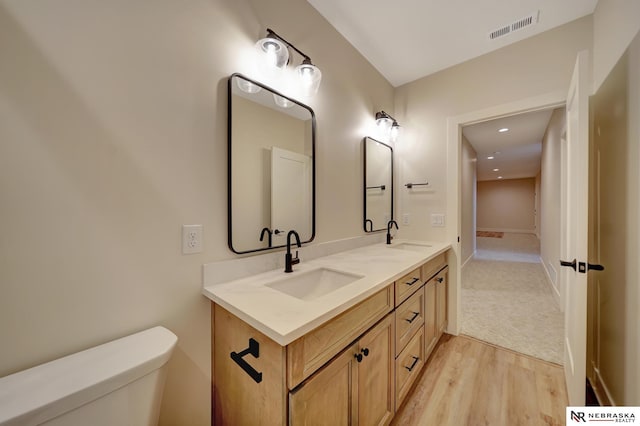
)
(454, 183)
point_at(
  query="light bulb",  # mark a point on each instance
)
(310, 77)
(282, 101)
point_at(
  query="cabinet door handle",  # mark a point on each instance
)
(415, 315)
(365, 351)
(439, 279)
(358, 357)
(415, 361)
(415, 280)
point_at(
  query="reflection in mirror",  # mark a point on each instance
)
(378, 185)
(271, 167)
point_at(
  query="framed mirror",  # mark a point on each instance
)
(378, 185)
(271, 155)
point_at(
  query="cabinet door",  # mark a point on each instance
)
(441, 301)
(330, 396)
(376, 384)
(430, 317)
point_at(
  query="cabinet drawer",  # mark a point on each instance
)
(409, 318)
(408, 366)
(311, 351)
(408, 285)
(432, 267)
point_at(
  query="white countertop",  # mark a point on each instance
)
(285, 318)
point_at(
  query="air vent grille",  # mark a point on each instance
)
(527, 21)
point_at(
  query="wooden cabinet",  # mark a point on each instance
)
(409, 318)
(430, 317)
(408, 366)
(310, 352)
(330, 397)
(408, 285)
(441, 300)
(435, 291)
(356, 368)
(357, 387)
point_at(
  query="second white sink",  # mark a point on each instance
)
(313, 284)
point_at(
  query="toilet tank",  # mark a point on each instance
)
(117, 383)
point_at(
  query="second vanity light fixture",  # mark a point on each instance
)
(275, 51)
(388, 125)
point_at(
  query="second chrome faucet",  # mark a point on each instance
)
(289, 260)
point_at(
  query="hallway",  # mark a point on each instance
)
(507, 301)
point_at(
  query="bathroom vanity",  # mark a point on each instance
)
(341, 340)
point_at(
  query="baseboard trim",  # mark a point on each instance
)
(468, 259)
(554, 290)
(602, 391)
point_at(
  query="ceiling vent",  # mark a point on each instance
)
(525, 22)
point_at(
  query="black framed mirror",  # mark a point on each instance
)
(271, 167)
(378, 185)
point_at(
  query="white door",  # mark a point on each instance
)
(290, 194)
(574, 223)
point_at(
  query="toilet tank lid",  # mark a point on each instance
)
(48, 390)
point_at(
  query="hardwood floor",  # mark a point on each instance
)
(469, 382)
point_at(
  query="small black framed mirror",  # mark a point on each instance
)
(271, 167)
(378, 185)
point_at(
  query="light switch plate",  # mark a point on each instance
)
(192, 239)
(405, 219)
(437, 220)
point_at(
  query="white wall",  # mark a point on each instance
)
(468, 169)
(550, 200)
(506, 205)
(113, 125)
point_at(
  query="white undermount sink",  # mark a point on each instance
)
(411, 246)
(309, 285)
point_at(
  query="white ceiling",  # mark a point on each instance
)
(409, 39)
(516, 153)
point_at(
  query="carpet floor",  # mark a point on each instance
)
(507, 301)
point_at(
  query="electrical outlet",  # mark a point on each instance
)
(191, 239)
(405, 219)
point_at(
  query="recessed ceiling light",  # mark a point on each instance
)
(499, 177)
(495, 170)
(504, 129)
(490, 157)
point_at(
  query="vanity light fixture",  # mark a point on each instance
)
(282, 102)
(275, 50)
(388, 124)
(247, 86)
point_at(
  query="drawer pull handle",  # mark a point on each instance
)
(415, 280)
(365, 351)
(415, 361)
(439, 279)
(415, 315)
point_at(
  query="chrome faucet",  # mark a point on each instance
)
(289, 260)
(389, 224)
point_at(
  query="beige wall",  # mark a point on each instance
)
(113, 129)
(506, 205)
(530, 68)
(469, 167)
(615, 24)
(550, 200)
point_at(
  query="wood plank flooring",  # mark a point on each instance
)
(469, 382)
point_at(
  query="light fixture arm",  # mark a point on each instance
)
(271, 33)
(383, 114)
